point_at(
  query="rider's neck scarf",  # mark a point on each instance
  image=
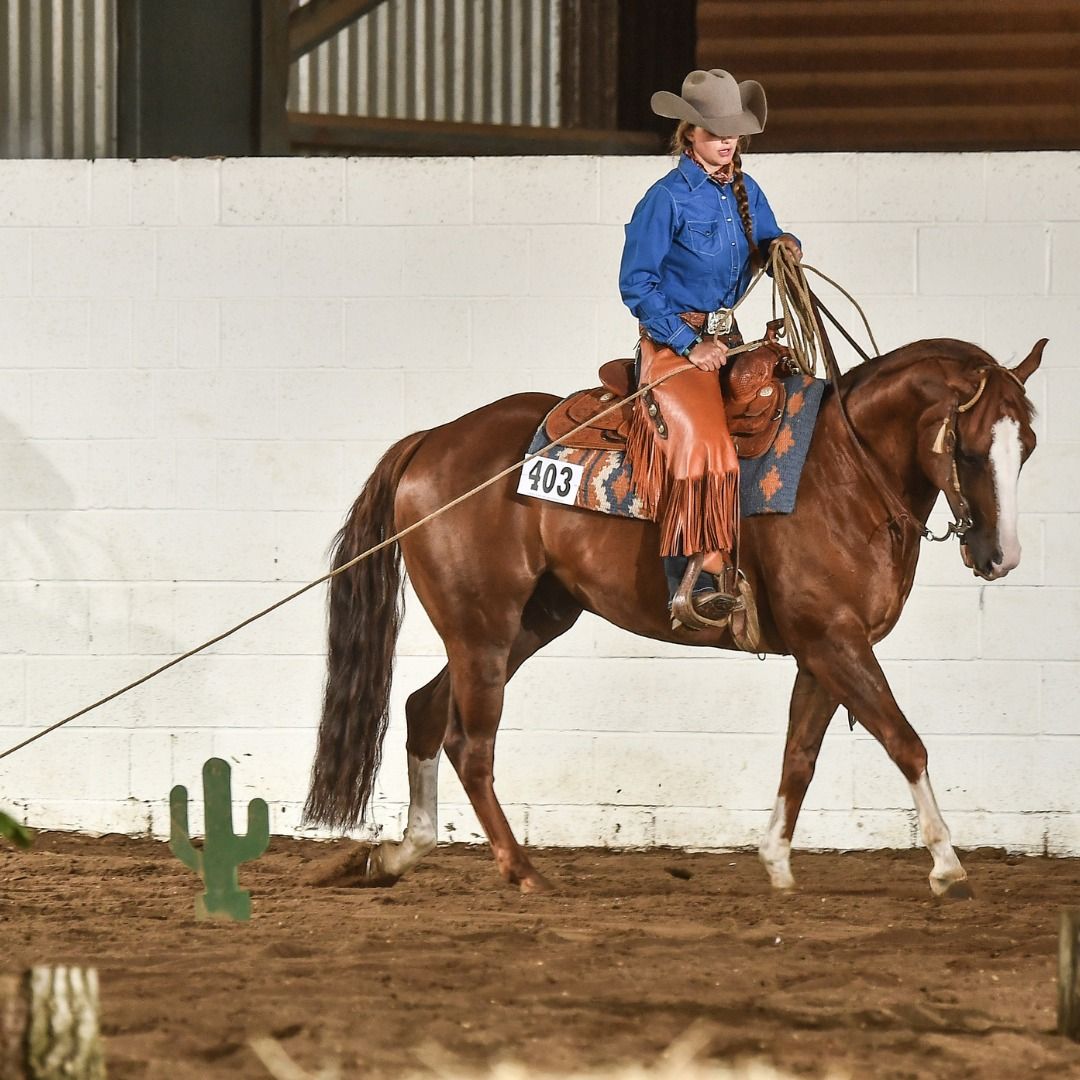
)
(723, 175)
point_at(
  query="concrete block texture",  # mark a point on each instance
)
(204, 360)
(44, 193)
(511, 191)
(301, 191)
(93, 262)
(15, 262)
(983, 260)
(410, 191)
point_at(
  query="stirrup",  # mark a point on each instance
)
(684, 611)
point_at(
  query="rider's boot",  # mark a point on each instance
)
(697, 599)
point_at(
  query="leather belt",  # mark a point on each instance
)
(720, 321)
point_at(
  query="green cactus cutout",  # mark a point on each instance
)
(222, 850)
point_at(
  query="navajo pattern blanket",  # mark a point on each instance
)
(767, 485)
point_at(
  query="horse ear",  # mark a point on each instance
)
(1030, 364)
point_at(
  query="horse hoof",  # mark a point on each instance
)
(954, 890)
(356, 868)
(536, 883)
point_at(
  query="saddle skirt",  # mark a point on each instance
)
(754, 400)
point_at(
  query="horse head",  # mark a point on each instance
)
(977, 453)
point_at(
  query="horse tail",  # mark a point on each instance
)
(366, 606)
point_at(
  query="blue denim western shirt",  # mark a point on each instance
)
(686, 250)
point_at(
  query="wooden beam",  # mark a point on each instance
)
(589, 63)
(274, 78)
(327, 133)
(320, 20)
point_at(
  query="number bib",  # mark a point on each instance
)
(556, 481)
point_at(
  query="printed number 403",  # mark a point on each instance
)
(556, 481)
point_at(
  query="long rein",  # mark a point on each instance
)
(802, 319)
(640, 392)
(800, 308)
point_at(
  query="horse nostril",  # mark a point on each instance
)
(998, 557)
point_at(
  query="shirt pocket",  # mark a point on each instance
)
(703, 237)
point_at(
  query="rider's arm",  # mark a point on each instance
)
(648, 240)
(766, 229)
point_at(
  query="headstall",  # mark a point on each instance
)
(945, 443)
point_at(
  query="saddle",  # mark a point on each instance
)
(754, 401)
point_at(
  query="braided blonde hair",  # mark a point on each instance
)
(682, 143)
(742, 200)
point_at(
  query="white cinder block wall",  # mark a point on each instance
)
(202, 361)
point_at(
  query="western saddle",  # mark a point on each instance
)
(754, 400)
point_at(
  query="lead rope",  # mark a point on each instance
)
(366, 554)
(788, 279)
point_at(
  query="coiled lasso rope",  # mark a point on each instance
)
(792, 292)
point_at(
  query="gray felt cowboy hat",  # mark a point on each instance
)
(715, 101)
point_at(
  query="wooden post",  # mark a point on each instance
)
(274, 78)
(49, 1025)
(1068, 976)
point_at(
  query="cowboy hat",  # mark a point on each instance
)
(715, 101)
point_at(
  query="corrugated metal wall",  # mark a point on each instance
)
(465, 61)
(479, 61)
(58, 78)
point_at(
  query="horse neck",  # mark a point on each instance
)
(886, 404)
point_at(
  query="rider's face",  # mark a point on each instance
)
(716, 151)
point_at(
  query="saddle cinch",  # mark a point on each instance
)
(754, 400)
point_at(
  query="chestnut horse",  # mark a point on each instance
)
(502, 575)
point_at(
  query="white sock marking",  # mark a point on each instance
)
(423, 829)
(935, 833)
(775, 850)
(1005, 457)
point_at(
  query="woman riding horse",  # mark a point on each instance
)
(685, 265)
(501, 576)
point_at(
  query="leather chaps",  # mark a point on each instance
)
(683, 460)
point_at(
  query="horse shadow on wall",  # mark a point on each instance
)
(70, 604)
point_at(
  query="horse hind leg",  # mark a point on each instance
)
(812, 709)
(426, 711)
(478, 678)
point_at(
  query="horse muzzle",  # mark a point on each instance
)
(993, 565)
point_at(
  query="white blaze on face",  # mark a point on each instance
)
(1006, 458)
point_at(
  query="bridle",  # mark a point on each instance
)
(946, 442)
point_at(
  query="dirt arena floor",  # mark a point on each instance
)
(859, 970)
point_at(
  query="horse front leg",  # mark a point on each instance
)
(811, 710)
(843, 662)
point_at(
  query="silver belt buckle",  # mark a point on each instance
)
(718, 322)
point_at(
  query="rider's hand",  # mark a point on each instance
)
(708, 355)
(788, 241)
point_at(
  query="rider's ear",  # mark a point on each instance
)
(1030, 364)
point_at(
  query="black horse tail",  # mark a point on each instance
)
(366, 606)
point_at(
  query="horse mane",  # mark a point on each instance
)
(970, 358)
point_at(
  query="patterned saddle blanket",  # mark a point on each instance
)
(595, 478)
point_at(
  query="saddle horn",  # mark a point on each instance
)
(1030, 364)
